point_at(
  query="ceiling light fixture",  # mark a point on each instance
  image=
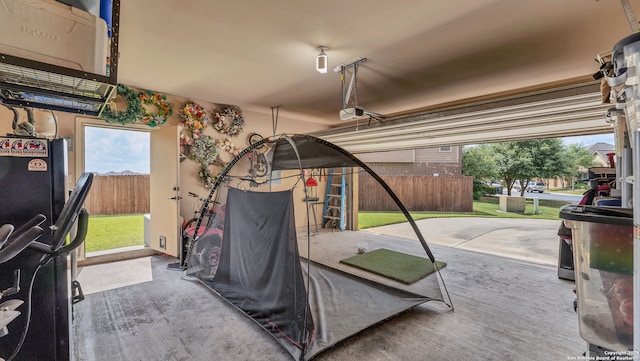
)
(321, 60)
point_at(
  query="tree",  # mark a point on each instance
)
(575, 156)
(478, 162)
(512, 162)
(548, 160)
(522, 161)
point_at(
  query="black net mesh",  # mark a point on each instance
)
(247, 249)
(257, 267)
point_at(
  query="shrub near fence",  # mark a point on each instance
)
(118, 194)
(417, 193)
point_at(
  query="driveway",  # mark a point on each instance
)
(530, 240)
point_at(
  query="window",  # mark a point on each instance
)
(445, 148)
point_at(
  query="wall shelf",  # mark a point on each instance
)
(28, 83)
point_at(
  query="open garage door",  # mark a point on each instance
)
(567, 111)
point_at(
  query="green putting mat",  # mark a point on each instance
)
(398, 266)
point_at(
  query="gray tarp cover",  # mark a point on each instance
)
(260, 272)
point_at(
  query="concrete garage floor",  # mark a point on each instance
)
(505, 308)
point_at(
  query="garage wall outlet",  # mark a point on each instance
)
(163, 242)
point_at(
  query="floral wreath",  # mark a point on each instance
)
(204, 150)
(186, 142)
(194, 116)
(131, 114)
(229, 120)
(194, 121)
(206, 177)
(165, 109)
(227, 145)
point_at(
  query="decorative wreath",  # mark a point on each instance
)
(186, 142)
(165, 109)
(131, 114)
(229, 120)
(194, 121)
(194, 117)
(206, 177)
(204, 150)
(227, 145)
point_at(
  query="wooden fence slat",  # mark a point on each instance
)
(417, 193)
(126, 194)
(119, 194)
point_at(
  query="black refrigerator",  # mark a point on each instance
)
(33, 180)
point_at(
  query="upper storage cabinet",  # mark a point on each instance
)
(58, 57)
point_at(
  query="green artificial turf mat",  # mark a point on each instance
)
(398, 266)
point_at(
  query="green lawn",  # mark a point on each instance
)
(114, 231)
(485, 207)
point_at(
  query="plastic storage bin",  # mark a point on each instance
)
(603, 256)
(54, 33)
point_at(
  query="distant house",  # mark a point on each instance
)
(600, 151)
(433, 161)
(425, 179)
(600, 159)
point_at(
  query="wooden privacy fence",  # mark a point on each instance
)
(118, 194)
(417, 193)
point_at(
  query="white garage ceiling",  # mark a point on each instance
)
(421, 55)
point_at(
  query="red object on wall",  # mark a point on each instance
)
(311, 182)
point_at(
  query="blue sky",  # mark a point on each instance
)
(117, 150)
(590, 139)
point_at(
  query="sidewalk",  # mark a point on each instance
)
(530, 240)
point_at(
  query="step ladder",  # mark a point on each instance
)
(335, 200)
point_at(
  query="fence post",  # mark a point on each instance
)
(536, 205)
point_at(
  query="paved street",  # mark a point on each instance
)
(547, 195)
